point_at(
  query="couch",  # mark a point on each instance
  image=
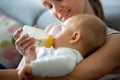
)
(31, 12)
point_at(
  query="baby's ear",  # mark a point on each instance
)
(75, 37)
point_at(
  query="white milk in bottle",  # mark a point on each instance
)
(41, 37)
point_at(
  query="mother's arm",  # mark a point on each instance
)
(100, 63)
(10, 74)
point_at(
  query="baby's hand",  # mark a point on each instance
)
(25, 72)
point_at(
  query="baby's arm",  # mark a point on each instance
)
(59, 64)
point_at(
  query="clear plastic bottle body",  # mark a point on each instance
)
(41, 37)
(55, 28)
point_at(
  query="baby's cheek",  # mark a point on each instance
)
(56, 43)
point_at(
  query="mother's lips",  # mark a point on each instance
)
(64, 16)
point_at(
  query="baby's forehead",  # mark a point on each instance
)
(71, 22)
(60, 25)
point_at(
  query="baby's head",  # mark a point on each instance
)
(84, 32)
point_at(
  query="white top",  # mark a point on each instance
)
(55, 62)
(111, 31)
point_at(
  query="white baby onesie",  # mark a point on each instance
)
(55, 62)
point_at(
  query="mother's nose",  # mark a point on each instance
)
(57, 8)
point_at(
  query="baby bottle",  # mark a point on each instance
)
(41, 37)
(56, 28)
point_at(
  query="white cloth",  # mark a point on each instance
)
(111, 31)
(55, 62)
(111, 77)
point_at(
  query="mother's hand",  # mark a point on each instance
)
(24, 44)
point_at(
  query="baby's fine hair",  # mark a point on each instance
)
(92, 29)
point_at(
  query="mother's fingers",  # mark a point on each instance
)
(16, 34)
(27, 45)
(21, 41)
(23, 45)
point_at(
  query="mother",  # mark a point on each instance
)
(103, 61)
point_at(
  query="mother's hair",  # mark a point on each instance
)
(98, 9)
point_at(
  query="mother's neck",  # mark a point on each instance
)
(89, 9)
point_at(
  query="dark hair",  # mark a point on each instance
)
(98, 9)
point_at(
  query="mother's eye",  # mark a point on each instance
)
(47, 5)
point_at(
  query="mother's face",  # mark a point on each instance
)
(63, 9)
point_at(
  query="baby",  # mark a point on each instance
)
(79, 36)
